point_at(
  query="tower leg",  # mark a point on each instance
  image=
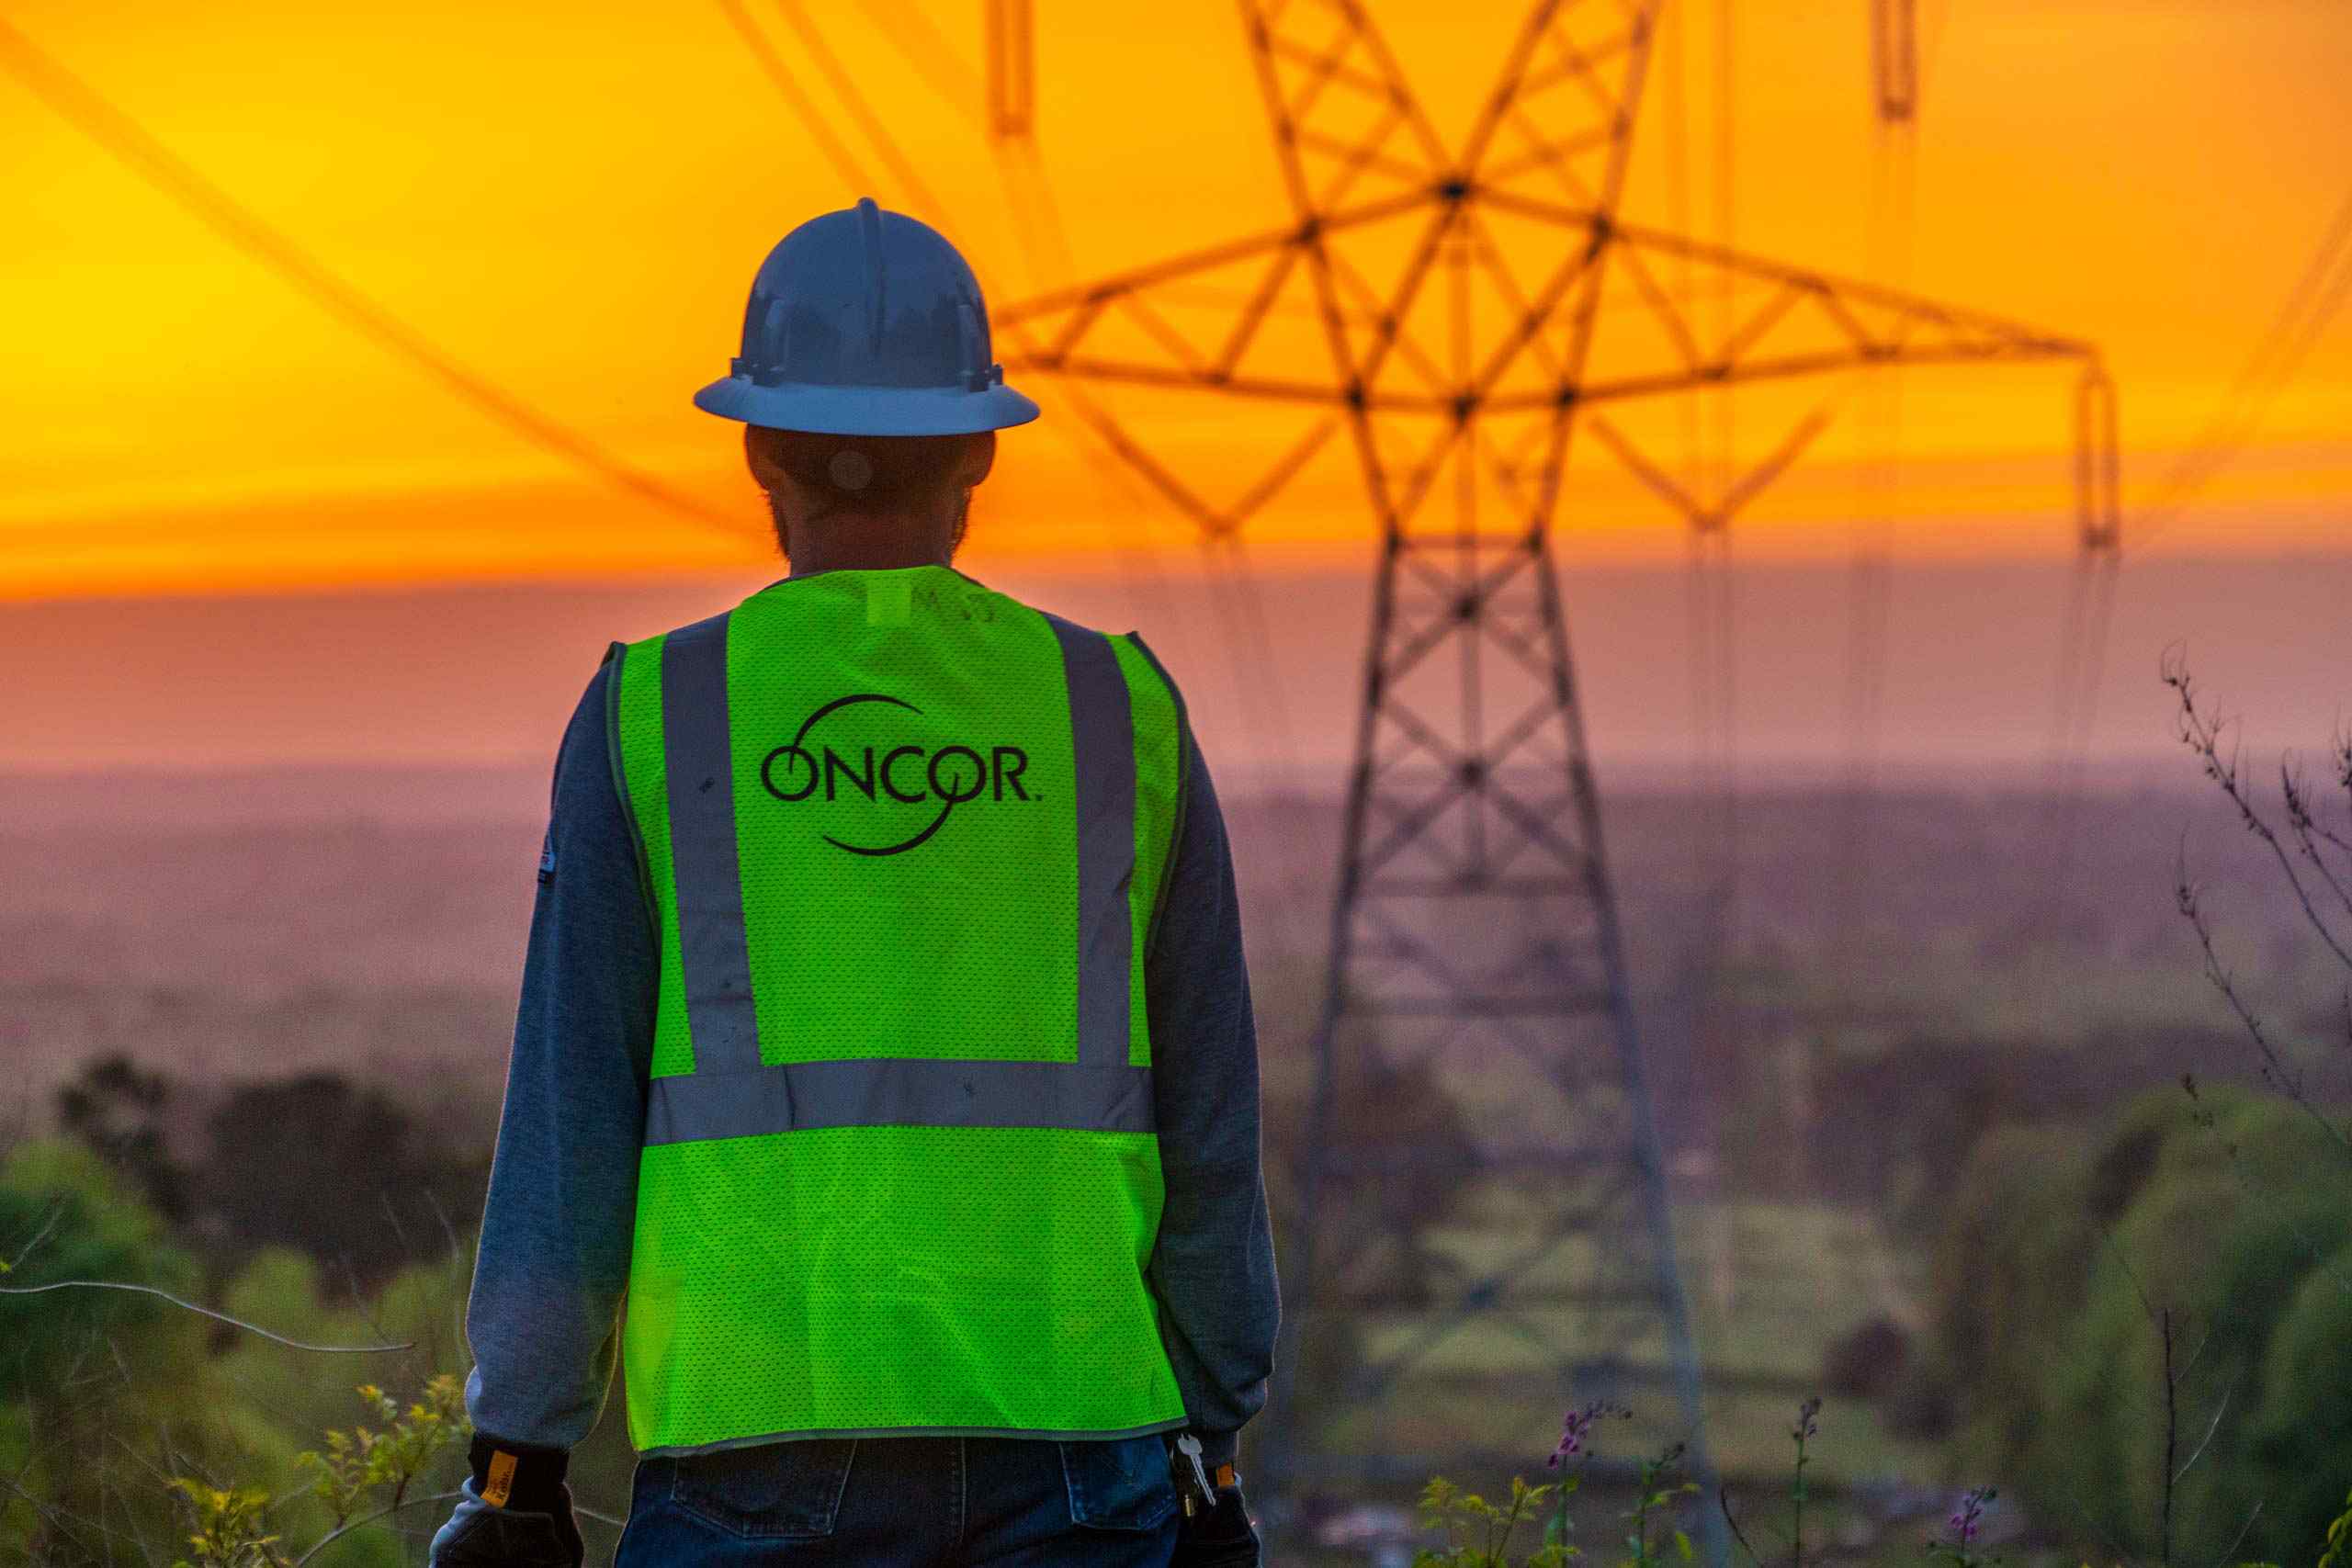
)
(1482, 1158)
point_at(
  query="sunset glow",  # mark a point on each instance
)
(569, 203)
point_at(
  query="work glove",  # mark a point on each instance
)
(1215, 1530)
(1218, 1537)
(533, 1528)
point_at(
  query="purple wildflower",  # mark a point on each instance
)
(1967, 1519)
(1806, 1426)
(1575, 1429)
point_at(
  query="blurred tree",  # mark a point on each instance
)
(341, 1172)
(1867, 1361)
(117, 1111)
(2307, 1390)
(2160, 1303)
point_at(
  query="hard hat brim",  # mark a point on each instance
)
(867, 410)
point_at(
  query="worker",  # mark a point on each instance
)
(884, 1095)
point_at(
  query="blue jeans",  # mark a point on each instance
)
(907, 1503)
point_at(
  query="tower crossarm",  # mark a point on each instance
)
(1876, 321)
(1062, 301)
(1800, 321)
(1766, 368)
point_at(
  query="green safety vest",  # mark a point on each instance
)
(904, 839)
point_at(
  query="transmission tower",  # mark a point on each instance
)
(1449, 309)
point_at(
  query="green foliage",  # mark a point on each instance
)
(360, 1463)
(65, 1214)
(229, 1527)
(2228, 1214)
(1656, 1495)
(1446, 1507)
(2339, 1536)
(84, 1366)
(104, 1392)
(2306, 1402)
(1804, 1432)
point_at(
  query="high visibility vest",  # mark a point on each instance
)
(904, 839)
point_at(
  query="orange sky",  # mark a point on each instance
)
(569, 201)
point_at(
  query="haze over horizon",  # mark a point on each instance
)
(486, 674)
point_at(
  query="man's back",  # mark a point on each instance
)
(905, 837)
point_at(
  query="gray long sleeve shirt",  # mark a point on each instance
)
(552, 1262)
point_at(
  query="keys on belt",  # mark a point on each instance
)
(1199, 1494)
(1216, 1531)
(1194, 1481)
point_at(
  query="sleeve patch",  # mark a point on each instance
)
(501, 1481)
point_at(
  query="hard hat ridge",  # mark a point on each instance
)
(867, 323)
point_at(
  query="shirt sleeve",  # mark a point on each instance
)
(1213, 1267)
(552, 1262)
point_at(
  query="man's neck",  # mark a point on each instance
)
(807, 560)
(847, 541)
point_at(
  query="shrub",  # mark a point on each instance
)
(2068, 1265)
(82, 1365)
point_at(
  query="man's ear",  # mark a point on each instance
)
(979, 459)
(764, 473)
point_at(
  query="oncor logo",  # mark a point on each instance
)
(908, 775)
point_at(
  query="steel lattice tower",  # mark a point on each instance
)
(1475, 923)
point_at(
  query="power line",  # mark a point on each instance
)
(2306, 311)
(919, 43)
(90, 112)
(788, 87)
(1892, 202)
(2302, 316)
(1233, 588)
(2090, 605)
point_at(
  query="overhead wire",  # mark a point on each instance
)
(1038, 221)
(1869, 582)
(2306, 311)
(902, 168)
(2090, 606)
(2082, 634)
(1234, 593)
(910, 32)
(1898, 66)
(1710, 657)
(788, 87)
(893, 157)
(1241, 611)
(2301, 317)
(1253, 671)
(130, 144)
(1721, 612)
